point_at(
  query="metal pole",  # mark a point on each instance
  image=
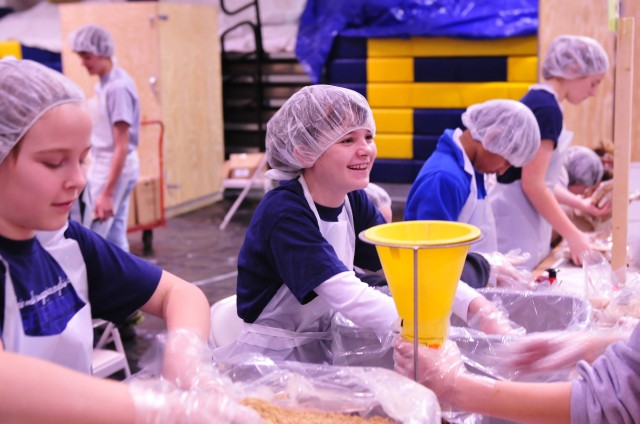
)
(415, 314)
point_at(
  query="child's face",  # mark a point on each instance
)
(580, 89)
(487, 162)
(345, 166)
(39, 184)
(94, 64)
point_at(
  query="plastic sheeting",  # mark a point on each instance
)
(323, 20)
(366, 392)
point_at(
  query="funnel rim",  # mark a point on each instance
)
(473, 236)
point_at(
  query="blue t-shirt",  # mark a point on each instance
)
(442, 186)
(545, 108)
(283, 245)
(118, 283)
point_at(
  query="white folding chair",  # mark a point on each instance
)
(225, 322)
(105, 361)
(257, 180)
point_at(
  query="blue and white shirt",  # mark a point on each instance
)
(283, 245)
(442, 187)
(117, 283)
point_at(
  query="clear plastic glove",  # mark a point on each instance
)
(579, 244)
(187, 359)
(438, 369)
(596, 211)
(441, 370)
(555, 351)
(504, 272)
(159, 402)
(487, 317)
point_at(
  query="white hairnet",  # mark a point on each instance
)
(573, 56)
(378, 196)
(505, 127)
(92, 39)
(310, 122)
(27, 91)
(583, 166)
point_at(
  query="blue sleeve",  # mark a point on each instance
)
(120, 104)
(365, 216)
(294, 240)
(550, 123)
(438, 197)
(119, 282)
(547, 112)
(283, 245)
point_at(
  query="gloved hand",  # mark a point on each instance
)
(187, 359)
(441, 370)
(490, 319)
(579, 245)
(555, 351)
(159, 402)
(504, 272)
(594, 210)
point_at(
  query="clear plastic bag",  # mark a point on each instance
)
(363, 391)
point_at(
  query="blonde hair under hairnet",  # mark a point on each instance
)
(28, 90)
(92, 39)
(505, 127)
(310, 122)
(572, 56)
(583, 166)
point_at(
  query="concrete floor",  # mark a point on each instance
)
(193, 247)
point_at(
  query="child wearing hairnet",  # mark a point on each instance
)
(522, 200)
(115, 165)
(295, 267)
(581, 172)
(450, 185)
(56, 276)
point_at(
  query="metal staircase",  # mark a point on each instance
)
(254, 85)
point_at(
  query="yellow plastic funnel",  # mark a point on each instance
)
(423, 259)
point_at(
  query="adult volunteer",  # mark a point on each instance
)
(295, 267)
(115, 165)
(522, 200)
(450, 185)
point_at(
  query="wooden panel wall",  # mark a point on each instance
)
(177, 46)
(631, 8)
(591, 121)
(191, 78)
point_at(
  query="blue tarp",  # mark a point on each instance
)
(323, 20)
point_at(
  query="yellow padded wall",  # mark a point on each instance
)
(394, 146)
(522, 68)
(393, 120)
(441, 95)
(10, 48)
(390, 69)
(443, 46)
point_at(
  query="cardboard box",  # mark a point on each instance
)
(132, 219)
(243, 165)
(148, 208)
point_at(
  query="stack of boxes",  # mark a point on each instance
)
(418, 87)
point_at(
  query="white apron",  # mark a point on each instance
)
(518, 223)
(310, 339)
(101, 157)
(71, 348)
(477, 211)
